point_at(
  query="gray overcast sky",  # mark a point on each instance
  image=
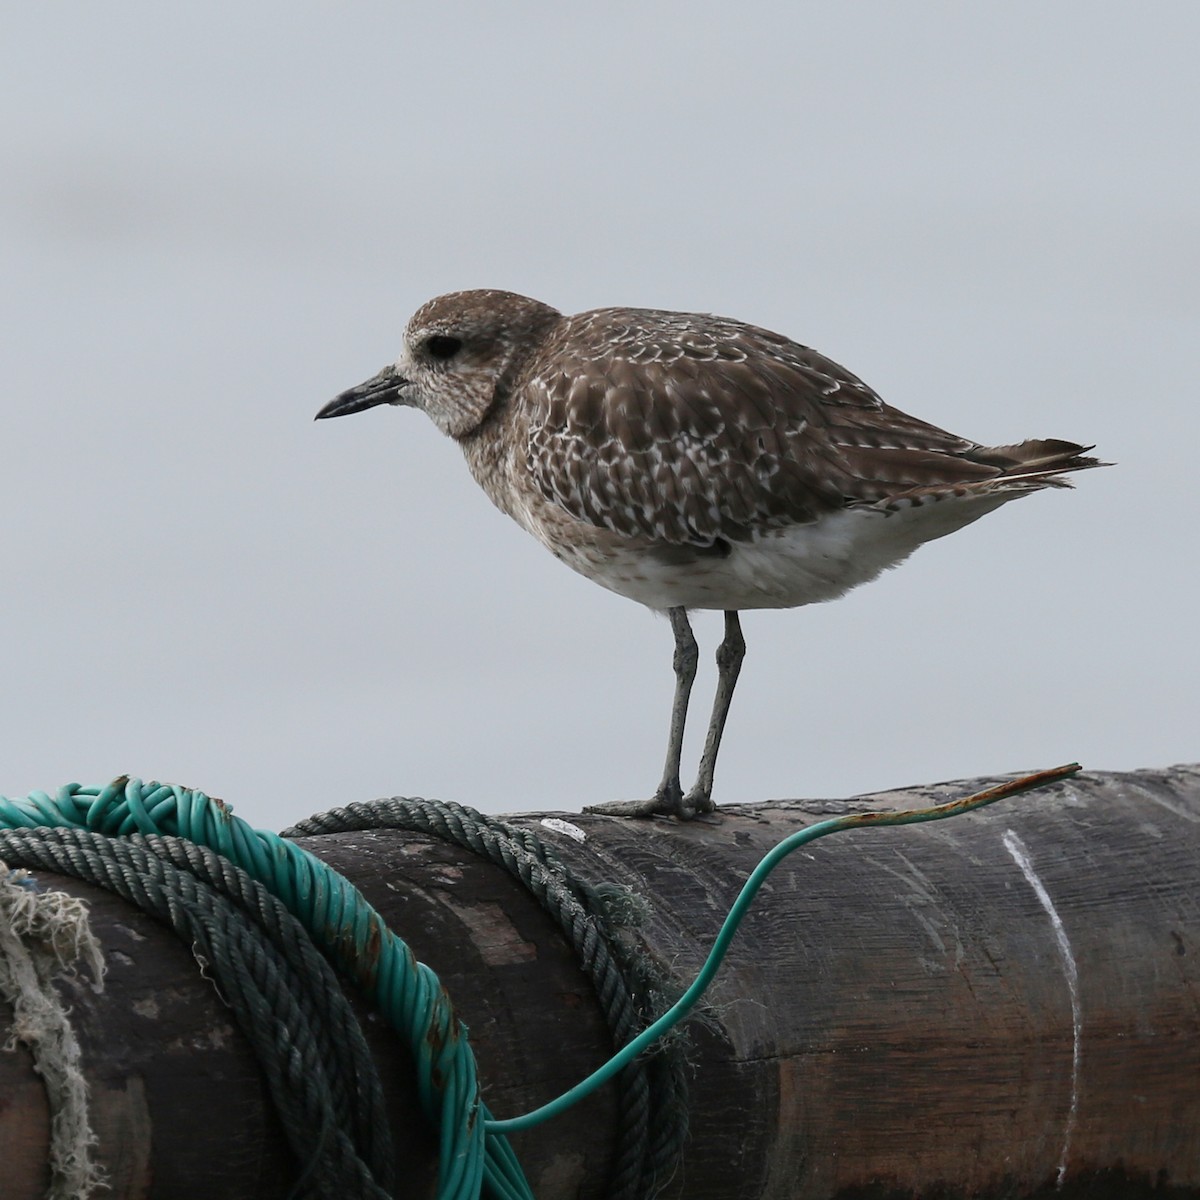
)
(214, 217)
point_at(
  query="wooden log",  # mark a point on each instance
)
(1006, 1004)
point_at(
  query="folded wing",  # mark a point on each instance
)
(690, 429)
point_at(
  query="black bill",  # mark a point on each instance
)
(383, 388)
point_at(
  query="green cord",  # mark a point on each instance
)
(741, 905)
(474, 1151)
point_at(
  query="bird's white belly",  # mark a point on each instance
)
(785, 568)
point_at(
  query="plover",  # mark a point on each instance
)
(689, 461)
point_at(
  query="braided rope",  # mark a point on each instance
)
(341, 922)
(629, 994)
(283, 993)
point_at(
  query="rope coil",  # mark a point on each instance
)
(652, 1091)
(337, 917)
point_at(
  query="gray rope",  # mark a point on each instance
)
(284, 995)
(652, 1092)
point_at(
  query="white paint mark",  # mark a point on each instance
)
(572, 831)
(1020, 854)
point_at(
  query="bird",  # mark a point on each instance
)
(690, 461)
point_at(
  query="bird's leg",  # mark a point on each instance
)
(729, 662)
(687, 654)
(668, 799)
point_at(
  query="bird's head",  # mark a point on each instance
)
(461, 352)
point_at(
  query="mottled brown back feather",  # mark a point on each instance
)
(688, 429)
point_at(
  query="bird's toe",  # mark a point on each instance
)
(666, 802)
(628, 808)
(697, 803)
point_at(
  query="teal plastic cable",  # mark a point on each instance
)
(741, 906)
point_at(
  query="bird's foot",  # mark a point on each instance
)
(668, 801)
(698, 803)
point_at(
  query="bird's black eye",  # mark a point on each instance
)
(441, 346)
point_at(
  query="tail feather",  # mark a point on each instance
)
(1038, 456)
(1020, 470)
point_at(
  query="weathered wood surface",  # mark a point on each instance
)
(907, 1012)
